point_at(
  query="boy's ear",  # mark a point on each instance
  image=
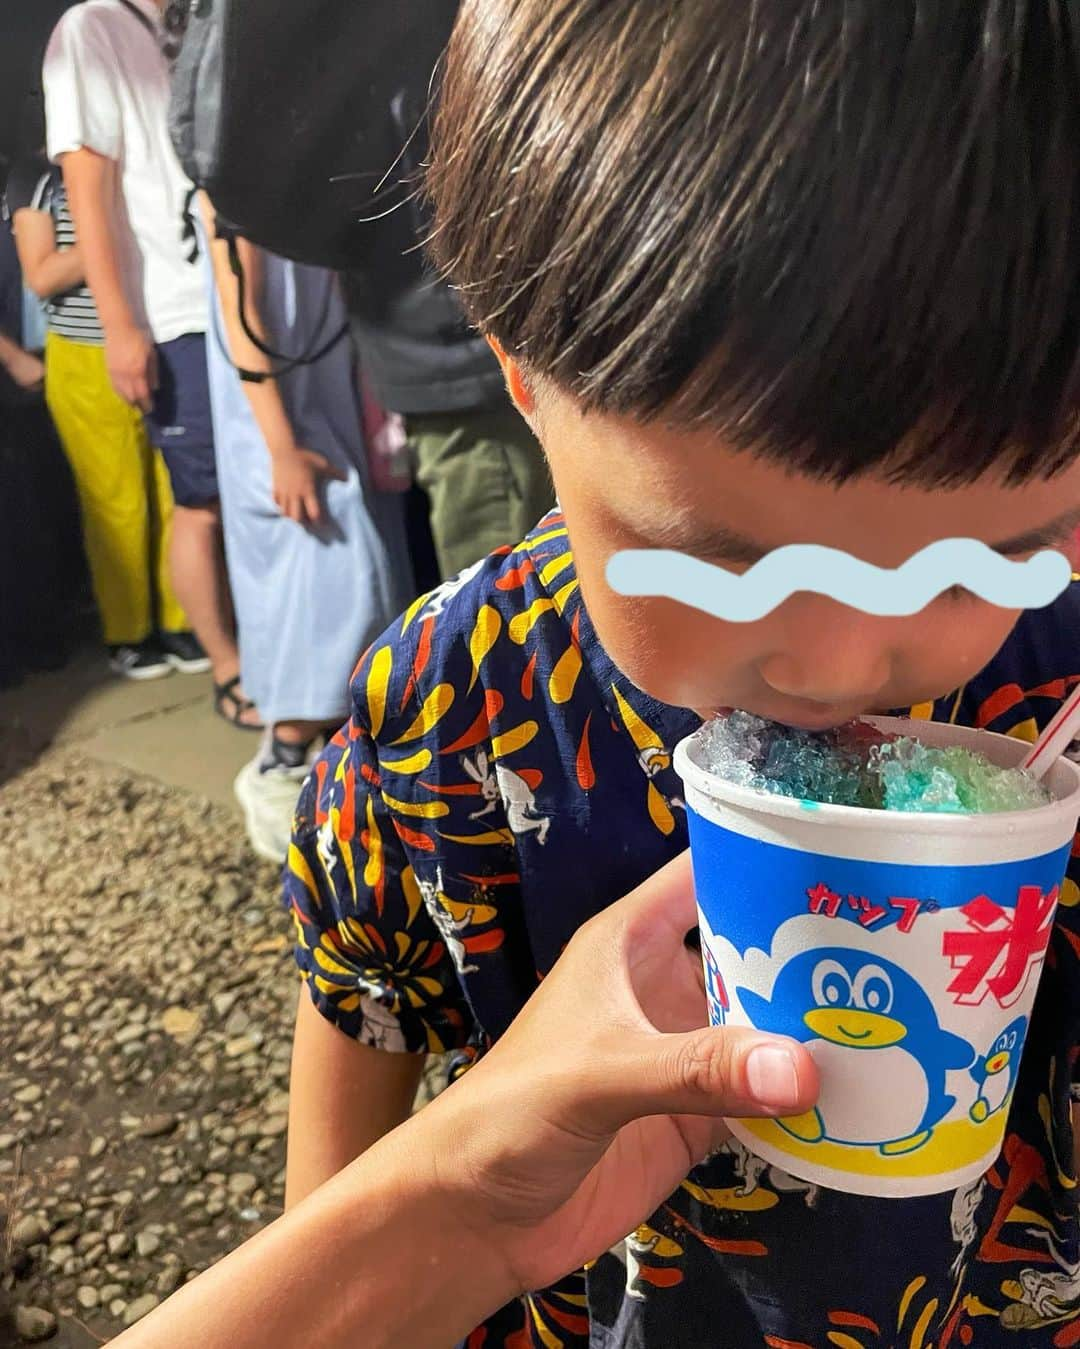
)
(516, 386)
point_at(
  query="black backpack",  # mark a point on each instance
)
(306, 119)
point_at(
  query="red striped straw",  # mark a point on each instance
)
(1059, 734)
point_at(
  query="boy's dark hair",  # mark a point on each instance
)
(845, 232)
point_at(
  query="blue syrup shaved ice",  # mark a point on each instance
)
(858, 765)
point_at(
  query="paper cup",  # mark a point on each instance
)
(903, 950)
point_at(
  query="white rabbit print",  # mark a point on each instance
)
(497, 782)
(449, 927)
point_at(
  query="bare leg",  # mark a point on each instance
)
(301, 732)
(197, 560)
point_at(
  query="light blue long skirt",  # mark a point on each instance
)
(307, 604)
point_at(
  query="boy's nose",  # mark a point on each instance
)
(843, 667)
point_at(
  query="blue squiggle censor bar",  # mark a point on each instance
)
(885, 592)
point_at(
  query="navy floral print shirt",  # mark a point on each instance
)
(500, 782)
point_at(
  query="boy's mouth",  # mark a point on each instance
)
(801, 713)
(818, 717)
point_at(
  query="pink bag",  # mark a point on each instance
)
(389, 461)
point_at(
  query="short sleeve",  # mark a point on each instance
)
(366, 946)
(82, 104)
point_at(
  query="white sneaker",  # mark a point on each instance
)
(269, 803)
(141, 661)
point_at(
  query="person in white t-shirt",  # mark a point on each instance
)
(106, 82)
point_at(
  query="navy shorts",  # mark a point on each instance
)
(180, 424)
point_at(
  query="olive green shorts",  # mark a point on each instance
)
(486, 478)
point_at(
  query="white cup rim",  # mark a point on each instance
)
(1063, 779)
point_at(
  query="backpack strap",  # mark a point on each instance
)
(223, 230)
(147, 23)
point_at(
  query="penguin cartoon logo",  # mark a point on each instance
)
(995, 1072)
(875, 1036)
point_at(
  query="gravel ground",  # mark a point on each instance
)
(146, 1003)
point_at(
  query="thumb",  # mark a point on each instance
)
(716, 1071)
(324, 467)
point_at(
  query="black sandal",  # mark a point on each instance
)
(230, 706)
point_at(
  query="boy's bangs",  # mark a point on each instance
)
(843, 234)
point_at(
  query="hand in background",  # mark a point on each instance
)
(298, 475)
(131, 360)
(26, 369)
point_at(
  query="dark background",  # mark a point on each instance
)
(25, 26)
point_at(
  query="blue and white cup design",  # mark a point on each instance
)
(904, 950)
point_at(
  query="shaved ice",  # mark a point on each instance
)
(858, 765)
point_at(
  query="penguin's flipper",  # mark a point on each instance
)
(761, 1012)
(807, 1127)
(955, 1052)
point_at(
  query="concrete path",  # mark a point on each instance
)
(164, 728)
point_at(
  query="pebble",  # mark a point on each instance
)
(180, 1023)
(274, 1126)
(87, 1297)
(142, 1306)
(8, 1141)
(157, 1126)
(34, 1324)
(223, 1003)
(243, 1182)
(97, 1146)
(227, 893)
(169, 1280)
(147, 1244)
(119, 1243)
(28, 1231)
(28, 1095)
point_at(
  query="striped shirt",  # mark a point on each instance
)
(72, 314)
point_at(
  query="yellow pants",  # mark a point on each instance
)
(123, 489)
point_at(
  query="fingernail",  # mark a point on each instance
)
(772, 1076)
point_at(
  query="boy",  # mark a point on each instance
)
(106, 83)
(757, 275)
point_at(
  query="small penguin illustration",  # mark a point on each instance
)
(995, 1072)
(876, 1038)
(715, 989)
